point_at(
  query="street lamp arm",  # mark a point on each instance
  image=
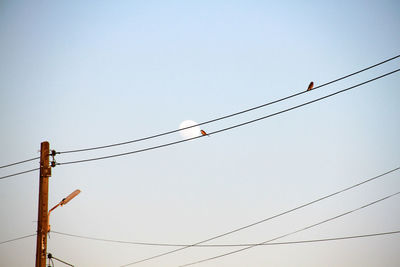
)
(62, 203)
(53, 208)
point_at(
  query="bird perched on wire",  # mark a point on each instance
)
(204, 133)
(310, 86)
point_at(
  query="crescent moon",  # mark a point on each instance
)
(191, 132)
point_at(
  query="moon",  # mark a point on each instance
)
(191, 132)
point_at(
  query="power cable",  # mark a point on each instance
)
(18, 238)
(15, 174)
(228, 128)
(19, 162)
(227, 245)
(50, 256)
(304, 104)
(52, 262)
(288, 234)
(226, 116)
(209, 121)
(269, 218)
(332, 238)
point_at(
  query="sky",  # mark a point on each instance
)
(82, 74)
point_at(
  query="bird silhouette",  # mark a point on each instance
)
(204, 133)
(310, 86)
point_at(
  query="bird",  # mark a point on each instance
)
(204, 133)
(310, 86)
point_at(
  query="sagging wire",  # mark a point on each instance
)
(51, 257)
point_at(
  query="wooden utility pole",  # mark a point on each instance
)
(45, 173)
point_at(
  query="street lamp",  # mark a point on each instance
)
(62, 203)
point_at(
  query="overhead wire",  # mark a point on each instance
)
(209, 121)
(50, 256)
(18, 238)
(269, 218)
(288, 234)
(304, 104)
(333, 238)
(51, 261)
(226, 116)
(226, 245)
(218, 131)
(19, 162)
(231, 127)
(19, 173)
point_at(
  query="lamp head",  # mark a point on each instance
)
(68, 198)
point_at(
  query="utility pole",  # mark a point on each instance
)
(45, 173)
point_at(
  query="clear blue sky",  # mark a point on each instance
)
(87, 73)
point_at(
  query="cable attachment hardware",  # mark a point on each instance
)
(50, 257)
(53, 155)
